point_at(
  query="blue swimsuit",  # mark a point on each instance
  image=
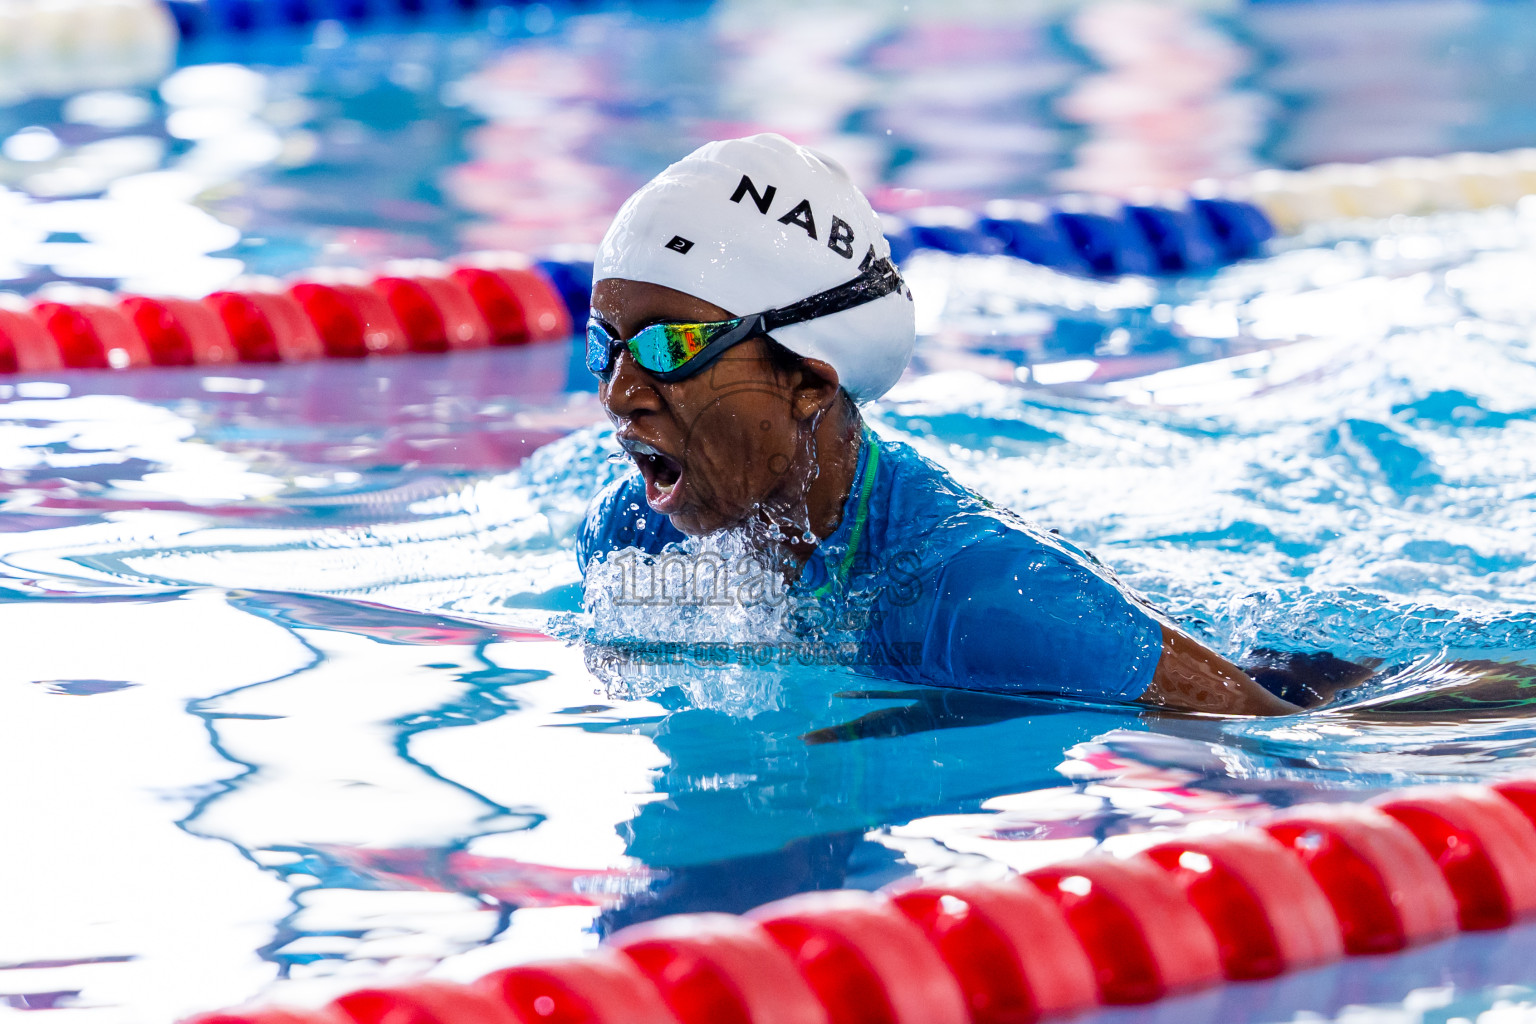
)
(942, 587)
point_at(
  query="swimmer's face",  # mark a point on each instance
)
(717, 446)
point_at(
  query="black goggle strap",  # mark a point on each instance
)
(877, 279)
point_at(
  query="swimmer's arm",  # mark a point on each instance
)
(1190, 677)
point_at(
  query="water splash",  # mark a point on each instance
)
(712, 616)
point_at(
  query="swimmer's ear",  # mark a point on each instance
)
(815, 389)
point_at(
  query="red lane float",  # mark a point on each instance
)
(1386, 891)
(720, 969)
(1141, 935)
(1251, 903)
(519, 304)
(437, 314)
(1009, 947)
(864, 960)
(426, 1002)
(180, 332)
(266, 327)
(352, 321)
(1482, 843)
(604, 988)
(92, 337)
(24, 346)
(1267, 912)
(421, 306)
(1520, 791)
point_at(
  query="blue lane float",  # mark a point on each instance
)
(1098, 238)
(199, 18)
(1094, 236)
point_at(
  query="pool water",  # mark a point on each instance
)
(283, 703)
(300, 693)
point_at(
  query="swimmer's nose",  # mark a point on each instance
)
(629, 391)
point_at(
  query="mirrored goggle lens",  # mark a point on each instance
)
(660, 348)
(599, 348)
(664, 348)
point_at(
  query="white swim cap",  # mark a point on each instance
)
(757, 223)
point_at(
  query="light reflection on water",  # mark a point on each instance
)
(524, 128)
(284, 705)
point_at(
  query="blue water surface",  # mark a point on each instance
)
(329, 739)
(299, 691)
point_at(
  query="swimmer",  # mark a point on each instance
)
(744, 305)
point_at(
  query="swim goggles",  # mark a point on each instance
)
(675, 351)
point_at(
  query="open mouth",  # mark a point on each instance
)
(661, 471)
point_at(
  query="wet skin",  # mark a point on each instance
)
(1192, 677)
(738, 442)
(743, 442)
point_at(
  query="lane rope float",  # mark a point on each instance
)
(1295, 889)
(487, 299)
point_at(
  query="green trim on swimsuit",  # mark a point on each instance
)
(860, 515)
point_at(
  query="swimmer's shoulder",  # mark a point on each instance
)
(981, 578)
(917, 499)
(619, 518)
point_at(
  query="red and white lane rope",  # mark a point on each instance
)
(416, 306)
(1303, 887)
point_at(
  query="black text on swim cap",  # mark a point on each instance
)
(679, 244)
(839, 241)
